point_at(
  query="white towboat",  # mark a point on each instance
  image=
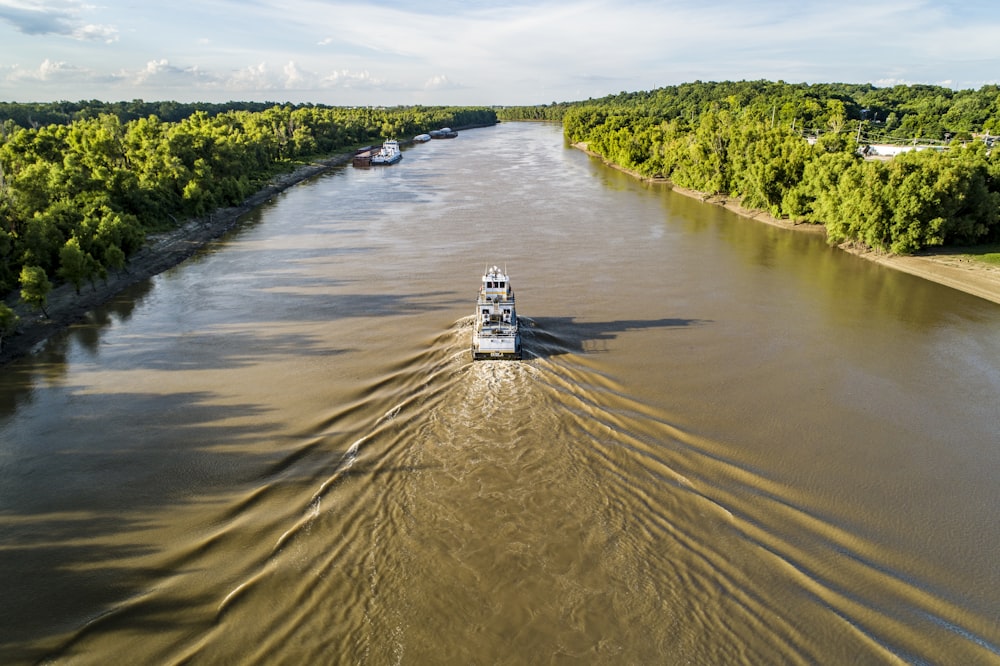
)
(389, 153)
(496, 334)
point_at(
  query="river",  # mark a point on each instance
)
(728, 442)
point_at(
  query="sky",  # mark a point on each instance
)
(477, 52)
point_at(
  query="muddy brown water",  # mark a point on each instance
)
(728, 443)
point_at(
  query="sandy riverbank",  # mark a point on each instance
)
(946, 267)
(161, 251)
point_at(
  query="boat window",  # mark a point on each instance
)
(500, 285)
(489, 285)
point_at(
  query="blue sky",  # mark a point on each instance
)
(476, 52)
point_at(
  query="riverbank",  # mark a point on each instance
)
(160, 252)
(165, 250)
(949, 267)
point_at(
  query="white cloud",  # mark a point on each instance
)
(355, 52)
(256, 77)
(103, 33)
(162, 73)
(295, 78)
(48, 71)
(350, 79)
(440, 82)
(54, 17)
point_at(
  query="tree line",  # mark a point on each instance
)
(36, 114)
(78, 197)
(796, 150)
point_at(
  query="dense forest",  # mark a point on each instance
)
(82, 184)
(63, 113)
(798, 151)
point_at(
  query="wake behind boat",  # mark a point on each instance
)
(495, 334)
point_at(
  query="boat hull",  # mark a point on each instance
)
(496, 356)
(486, 346)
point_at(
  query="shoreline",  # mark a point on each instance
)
(948, 267)
(164, 250)
(161, 251)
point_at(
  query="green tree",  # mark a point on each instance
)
(75, 265)
(8, 322)
(6, 259)
(35, 287)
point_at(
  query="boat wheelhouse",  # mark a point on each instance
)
(495, 334)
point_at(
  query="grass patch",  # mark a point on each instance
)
(987, 254)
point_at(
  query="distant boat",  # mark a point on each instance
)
(422, 138)
(496, 335)
(443, 133)
(389, 154)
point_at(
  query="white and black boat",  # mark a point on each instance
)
(389, 153)
(495, 334)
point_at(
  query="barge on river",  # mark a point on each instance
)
(389, 153)
(495, 334)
